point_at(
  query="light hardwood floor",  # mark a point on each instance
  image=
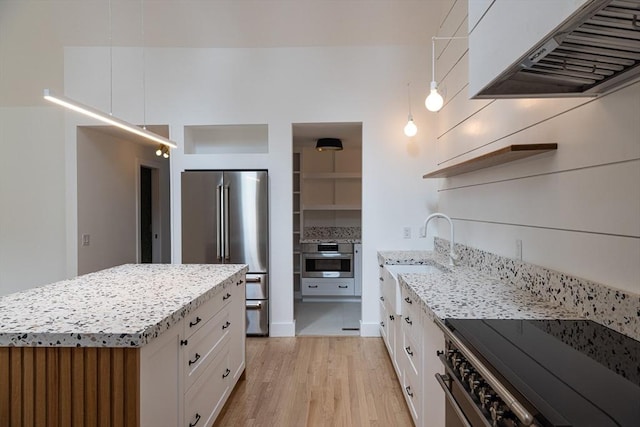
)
(316, 381)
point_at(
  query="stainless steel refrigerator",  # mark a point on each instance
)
(225, 220)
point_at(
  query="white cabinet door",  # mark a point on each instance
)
(160, 380)
(433, 403)
(237, 329)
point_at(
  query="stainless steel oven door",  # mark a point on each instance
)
(459, 410)
(327, 265)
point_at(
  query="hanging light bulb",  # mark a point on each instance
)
(410, 129)
(159, 151)
(434, 101)
(165, 152)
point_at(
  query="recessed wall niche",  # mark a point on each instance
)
(230, 139)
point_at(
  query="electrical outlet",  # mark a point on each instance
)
(519, 249)
(406, 233)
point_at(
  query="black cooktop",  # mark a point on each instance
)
(573, 372)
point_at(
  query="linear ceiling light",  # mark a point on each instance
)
(106, 118)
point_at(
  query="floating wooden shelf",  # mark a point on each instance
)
(498, 157)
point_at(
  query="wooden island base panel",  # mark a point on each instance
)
(136, 345)
(62, 386)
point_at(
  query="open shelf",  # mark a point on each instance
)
(332, 207)
(332, 175)
(494, 158)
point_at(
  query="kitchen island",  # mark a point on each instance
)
(131, 345)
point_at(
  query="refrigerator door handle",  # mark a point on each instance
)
(219, 220)
(226, 222)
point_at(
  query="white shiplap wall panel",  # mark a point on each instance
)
(614, 139)
(542, 201)
(576, 210)
(500, 119)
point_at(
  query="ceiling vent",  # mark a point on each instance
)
(593, 51)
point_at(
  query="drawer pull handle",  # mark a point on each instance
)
(254, 279)
(382, 324)
(254, 306)
(409, 321)
(226, 373)
(381, 298)
(408, 300)
(196, 422)
(409, 393)
(192, 324)
(226, 297)
(184, 342)
(392, 317)
(343, 286)
(381, 279)
(239, 282)
(408, 350)
(226, 325)
(195, 359)
(313, 286)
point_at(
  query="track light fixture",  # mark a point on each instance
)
(163, 151)
(435, 101)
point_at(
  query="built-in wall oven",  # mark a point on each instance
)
(544, 373)
(327, 260)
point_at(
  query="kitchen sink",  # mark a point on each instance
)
(391, 288)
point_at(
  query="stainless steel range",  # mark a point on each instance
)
(539, 373)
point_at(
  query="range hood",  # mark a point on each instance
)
(596, 49)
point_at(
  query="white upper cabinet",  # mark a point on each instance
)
(501, 31)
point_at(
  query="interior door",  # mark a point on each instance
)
(248, 219)
(200, 217)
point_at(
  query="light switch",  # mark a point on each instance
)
(86, 239)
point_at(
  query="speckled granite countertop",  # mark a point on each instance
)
(465, 293)
(124, 306)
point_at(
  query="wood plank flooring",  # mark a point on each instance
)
(316, 381)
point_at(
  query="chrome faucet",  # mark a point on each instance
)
(452, 255)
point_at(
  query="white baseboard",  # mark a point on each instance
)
(283, 329)
(369, 329)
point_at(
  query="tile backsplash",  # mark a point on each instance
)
(619, 310)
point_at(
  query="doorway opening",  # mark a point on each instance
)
(150, 236)
(327, 212)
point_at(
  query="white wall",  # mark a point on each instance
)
(32, 198)
(281, 86)
(108, 198)
(576, 210)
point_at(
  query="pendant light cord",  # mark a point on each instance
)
(110, 61)
(144, 83)
(409, 97)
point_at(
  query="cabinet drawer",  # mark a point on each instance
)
(411, 318)
(327, 287)
(204, 400)
(203, 345)
(413, 353)
(194, 320)
(412, 390)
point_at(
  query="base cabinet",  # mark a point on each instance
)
(413, 340)
(187, 374)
